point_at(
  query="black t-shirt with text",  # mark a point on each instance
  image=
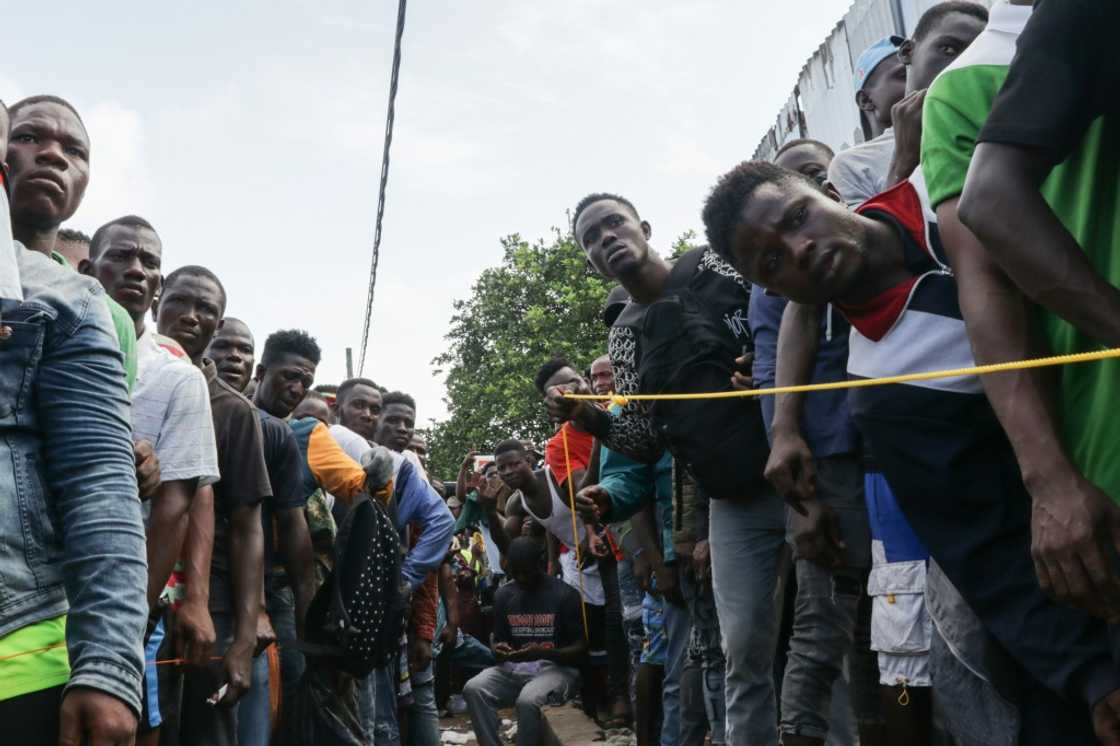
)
(548, 615)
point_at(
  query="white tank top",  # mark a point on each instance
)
(559, 524)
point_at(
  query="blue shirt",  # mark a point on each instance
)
(825, 422)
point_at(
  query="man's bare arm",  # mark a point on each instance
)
(1003, 207)
(790, 466)
(167, 531)
(1069, 547)
(194, 628)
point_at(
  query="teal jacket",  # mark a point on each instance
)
(631, 484)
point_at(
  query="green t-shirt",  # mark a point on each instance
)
(1084, 192)
(34, 658)
(122, 322)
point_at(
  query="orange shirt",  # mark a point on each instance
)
(579, 452)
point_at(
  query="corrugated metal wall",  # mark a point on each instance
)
(822, 104)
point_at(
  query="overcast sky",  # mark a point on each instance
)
(250, 134)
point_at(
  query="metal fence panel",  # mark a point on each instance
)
(822, 105)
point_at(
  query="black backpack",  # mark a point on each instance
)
(357, 617)
(687, 342)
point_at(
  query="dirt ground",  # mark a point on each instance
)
(455, 730)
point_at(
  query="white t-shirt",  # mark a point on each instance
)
(860, 172)
(9, 264)
(171, 410)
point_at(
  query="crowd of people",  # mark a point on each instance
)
(200, 546)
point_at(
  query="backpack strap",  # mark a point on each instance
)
(684, 269)
(680, 275)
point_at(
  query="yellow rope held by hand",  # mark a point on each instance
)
(859, 383)
(575, 531)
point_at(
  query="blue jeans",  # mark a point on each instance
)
(254, 711)
(677, 631)
(200, 722)
(423, 718)
(496, 687)
(746, 538)
(378, 703)
(468, 653)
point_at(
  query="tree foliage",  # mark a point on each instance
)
(542, 300)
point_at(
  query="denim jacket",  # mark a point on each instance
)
(71, 535)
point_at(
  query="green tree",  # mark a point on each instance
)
(542, 300)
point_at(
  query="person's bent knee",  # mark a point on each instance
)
(473, 689)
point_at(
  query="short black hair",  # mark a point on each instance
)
(525, 553)
(44, 99)
(344, 387)
(131, 221)
(398, 397)
(594, 197)
(511, 444)
(489, 465)
(195, 270)
(290, 342)
(548, 370)
(804, 141)
(72, 235)
(724, 205)
(930, 18)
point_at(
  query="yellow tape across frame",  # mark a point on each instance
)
(976, 370)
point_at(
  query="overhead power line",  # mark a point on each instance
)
(389, 115)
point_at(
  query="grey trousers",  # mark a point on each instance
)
(496, 687)
(746, 540)
(826, 608)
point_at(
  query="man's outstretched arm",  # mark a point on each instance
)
(790, 467)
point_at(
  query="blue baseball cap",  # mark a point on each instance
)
(871, 58)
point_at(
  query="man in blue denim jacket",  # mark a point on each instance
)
(72, 556)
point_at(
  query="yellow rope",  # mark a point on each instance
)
(575, 532)
(977, 370)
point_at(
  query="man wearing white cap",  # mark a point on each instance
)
(880, 82)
